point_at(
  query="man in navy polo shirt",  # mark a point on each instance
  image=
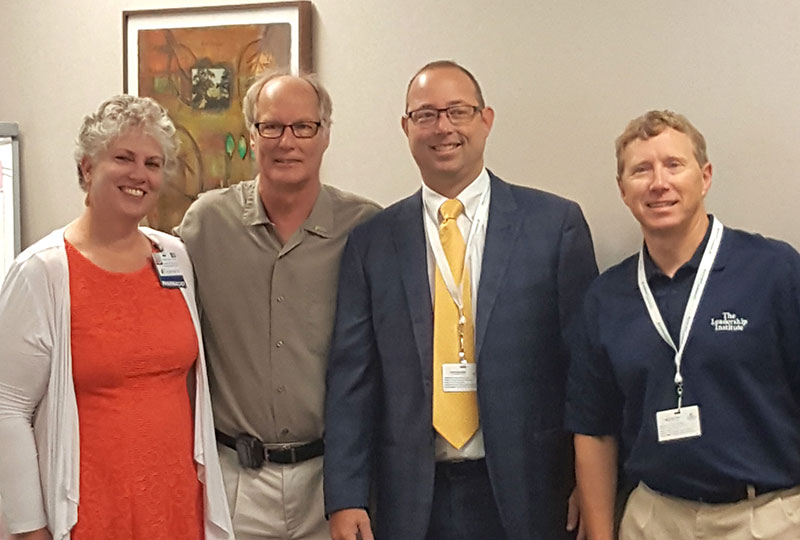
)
(689, 363)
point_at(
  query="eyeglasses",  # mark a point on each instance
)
(457, 114)
(274, 130)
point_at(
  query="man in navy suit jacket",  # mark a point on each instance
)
(532, 259)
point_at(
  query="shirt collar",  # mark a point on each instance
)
(470, 197)
(253, 211)
(319, 221)
(652, 271)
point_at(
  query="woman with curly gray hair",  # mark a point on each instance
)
(100, 335)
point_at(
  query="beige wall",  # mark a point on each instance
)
(563, 75)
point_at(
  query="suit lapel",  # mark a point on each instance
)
(409, 241)
(501, 233)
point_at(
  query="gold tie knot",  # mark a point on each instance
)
(451, 209)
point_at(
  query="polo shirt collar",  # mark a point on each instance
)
(319, 222)
(652, 271)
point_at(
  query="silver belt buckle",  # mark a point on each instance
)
(292, 449)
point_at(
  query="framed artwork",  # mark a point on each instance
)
(9, 201)
(198, 64)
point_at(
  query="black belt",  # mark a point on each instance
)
(735, 494)
(732, 494)
(252, 452)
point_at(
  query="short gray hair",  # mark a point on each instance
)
(116, 116)
(250, 104)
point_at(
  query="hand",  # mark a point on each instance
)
(574, 515)
(350, 524)
(39, 534)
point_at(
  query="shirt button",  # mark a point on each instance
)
(280, 298)
(285, 431)
(279, 344)
(280, 389)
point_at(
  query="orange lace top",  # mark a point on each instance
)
(133, 344)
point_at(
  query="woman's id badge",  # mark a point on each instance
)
(167, 269)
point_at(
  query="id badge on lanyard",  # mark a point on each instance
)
(682, 422)
(169, 274)
(461, 376)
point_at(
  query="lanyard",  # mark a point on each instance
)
(476, 229)
(689, 313)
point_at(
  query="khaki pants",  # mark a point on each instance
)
(652, 516)
(275, 502)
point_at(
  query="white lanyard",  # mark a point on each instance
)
(477, 228)
(689, 313)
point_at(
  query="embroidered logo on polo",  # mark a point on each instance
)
(729, 322)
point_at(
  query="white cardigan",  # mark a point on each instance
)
(38, 411)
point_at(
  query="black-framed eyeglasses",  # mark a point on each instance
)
(457, 114)
(274, 130)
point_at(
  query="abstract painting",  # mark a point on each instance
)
(198, 64)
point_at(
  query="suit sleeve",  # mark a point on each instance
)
(353, 384)
(577, 268)
(593, 399)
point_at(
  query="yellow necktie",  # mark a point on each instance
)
(455, 414)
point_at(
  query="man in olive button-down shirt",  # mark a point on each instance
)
(266, 255)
